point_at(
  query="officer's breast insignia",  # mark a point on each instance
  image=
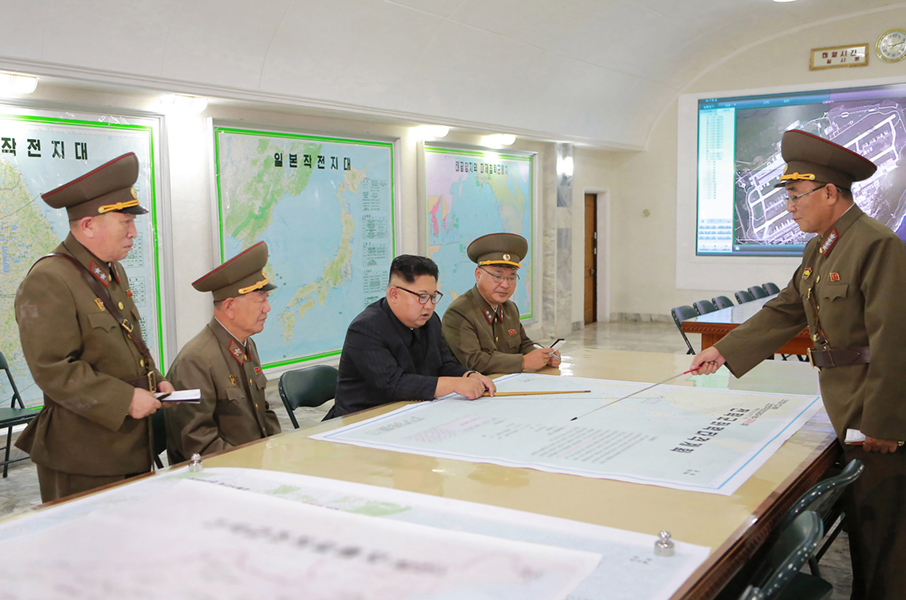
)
(257, 370)
(835, 277)
(232, 381)
(99, 274)
(807, 272)
(512, 332)
(236, 351)
(100, 303)
(828, 244)
(129, 293)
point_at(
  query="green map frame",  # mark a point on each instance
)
(289, 135)
(527, 157)
(151, 131)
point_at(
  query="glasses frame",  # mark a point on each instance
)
(499, 279)
(423, 298)
(794, 200)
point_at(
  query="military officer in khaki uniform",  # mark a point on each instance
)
(850, 290)
(482, 326)
(223, 363)
(80, 337)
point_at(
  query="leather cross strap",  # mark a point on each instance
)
(101, 293)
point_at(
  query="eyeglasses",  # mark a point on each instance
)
(500, 279)
(423, 298)
(794, 200)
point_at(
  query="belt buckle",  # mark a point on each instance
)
(811, 359)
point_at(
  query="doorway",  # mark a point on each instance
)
(591, 258)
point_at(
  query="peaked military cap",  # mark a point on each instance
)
(499, 249)
(105, 189)
(240, 275)
(811, 158)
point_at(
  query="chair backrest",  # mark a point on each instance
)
(770, 288)
(796, 544)
(703, 307)
(721, 302)
(758, 292)
(16, 400)
(824, 494)
(312, 386)
(743, 296)
(680, 314)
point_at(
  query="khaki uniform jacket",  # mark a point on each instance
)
(233, 409)
(80, 356)
(483, 341)
(860, 285)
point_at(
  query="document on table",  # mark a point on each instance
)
(629, 569)
(678, 437)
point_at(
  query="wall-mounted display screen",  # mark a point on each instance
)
(740, 212)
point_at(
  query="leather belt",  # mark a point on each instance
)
(839, 357)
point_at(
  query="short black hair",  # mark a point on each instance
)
(409, 266)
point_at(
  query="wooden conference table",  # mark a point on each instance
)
(733, 526)
(717, 324)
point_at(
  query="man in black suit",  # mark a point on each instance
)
(394, 349)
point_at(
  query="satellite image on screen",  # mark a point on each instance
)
(873, 128)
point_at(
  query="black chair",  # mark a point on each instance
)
(758, 292)
(307, 387)
(770, 288)
(743, 296)
(779, 577)
(703, 307)
(159, 429)
(15, 415)
(824, 498)
(680, 314)
(721, 302)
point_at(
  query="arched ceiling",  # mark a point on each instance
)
(596, 71)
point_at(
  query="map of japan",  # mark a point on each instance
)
(874, 129)
(325, 208)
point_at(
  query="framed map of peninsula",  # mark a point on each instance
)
(325, 207)
(41, 150)
(470, 193)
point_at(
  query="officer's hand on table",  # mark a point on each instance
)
(143, 404)
(536, 359)
(877, 445)
(708, 361)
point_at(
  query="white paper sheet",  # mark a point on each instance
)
(677, 437)
(629, 569)
(198, 541)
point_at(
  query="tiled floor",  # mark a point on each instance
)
(20, 490)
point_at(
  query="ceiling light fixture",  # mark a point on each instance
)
(15, 84)
(180, 103)
(498, 140)
(431, 132)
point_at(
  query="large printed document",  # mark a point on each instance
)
(205, 541)
(678, 437)
(628, 569)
